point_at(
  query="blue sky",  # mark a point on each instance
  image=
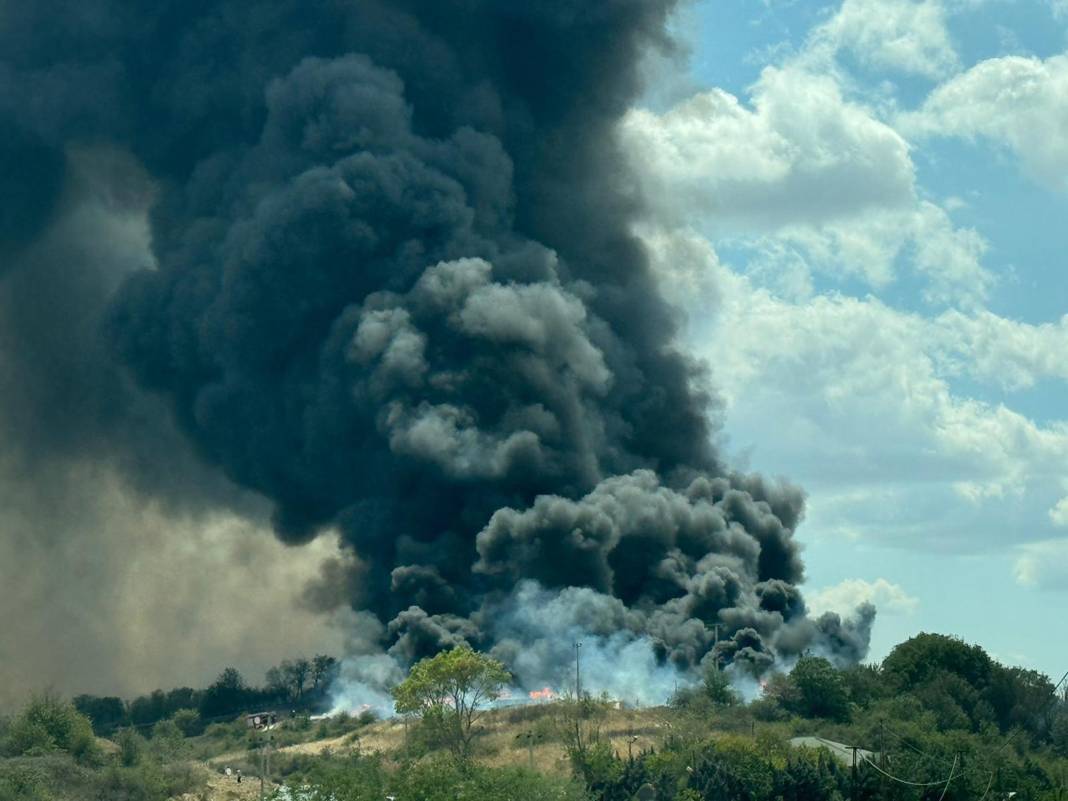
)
(861, 206)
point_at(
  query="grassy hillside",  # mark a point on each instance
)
(938, 720)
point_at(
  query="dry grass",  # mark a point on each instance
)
(499, 743)
(501, 738)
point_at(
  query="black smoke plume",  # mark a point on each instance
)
(395, 292)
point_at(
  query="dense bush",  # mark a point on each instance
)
(23, 783)
(188, 722)
(436, 779)
(59, 778)
(146, 782)
(48, 724)
(132, 746)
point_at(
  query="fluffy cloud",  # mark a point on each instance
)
(806, 181)
(1018, 102)
(878, 433)
(801, 155)
(1059, 513)
(851, 593)
(893, 34)
(1003, 352)
(1043, 565)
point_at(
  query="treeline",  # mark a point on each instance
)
(952, 685)
(300, 684)
(940, 720)
(937, 720)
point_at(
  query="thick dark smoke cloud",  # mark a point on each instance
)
(394, 291)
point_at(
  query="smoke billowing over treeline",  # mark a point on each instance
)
(389, 285)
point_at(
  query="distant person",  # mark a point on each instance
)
(228, 771)
(239, 775)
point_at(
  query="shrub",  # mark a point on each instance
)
(188, 722)
(22, 783)
(146, 782)
(439, 778)
(131, 746)
(50, 724)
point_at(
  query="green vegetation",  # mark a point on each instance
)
(295, 684)
(436, 778)
(944, 720)
(50, 754)
(449, 692)
(941, 719)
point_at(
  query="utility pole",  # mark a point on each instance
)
(578, 676)
(853, 783)
(266, 763)
(715, 643)
(528, 738)
(268, 739)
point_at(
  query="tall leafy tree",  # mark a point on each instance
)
(323, 668)
(227, 695)
(821, 692)
(106, 713)
(451, 690)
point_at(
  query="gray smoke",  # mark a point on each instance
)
(116, 543)
(393, 290)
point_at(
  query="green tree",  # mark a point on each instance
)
(449, 691)
(323, 670)
(23, 783)
(105, 712)
(780, 693)
(48, 723)
(131, 746)
(864, 683)
(227, 695)
(147, 709)
(168, 742)
(732, 769)
(1022, 697)
(821, 693)
(1059, 732)
(920, 658)
(718, 687)
(295, 674)
(188, 722)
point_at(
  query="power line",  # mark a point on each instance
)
(950, 779)
(905, 741)
(906, 781)
(989, 784)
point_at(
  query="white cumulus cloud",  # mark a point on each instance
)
(843, 598)
(1043, 565)
(1059, 513)
(902, 35)
(800, 154)
(806, 181)
(872, 422)
(1018, 102)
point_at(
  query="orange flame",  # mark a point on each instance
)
(544, 694)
